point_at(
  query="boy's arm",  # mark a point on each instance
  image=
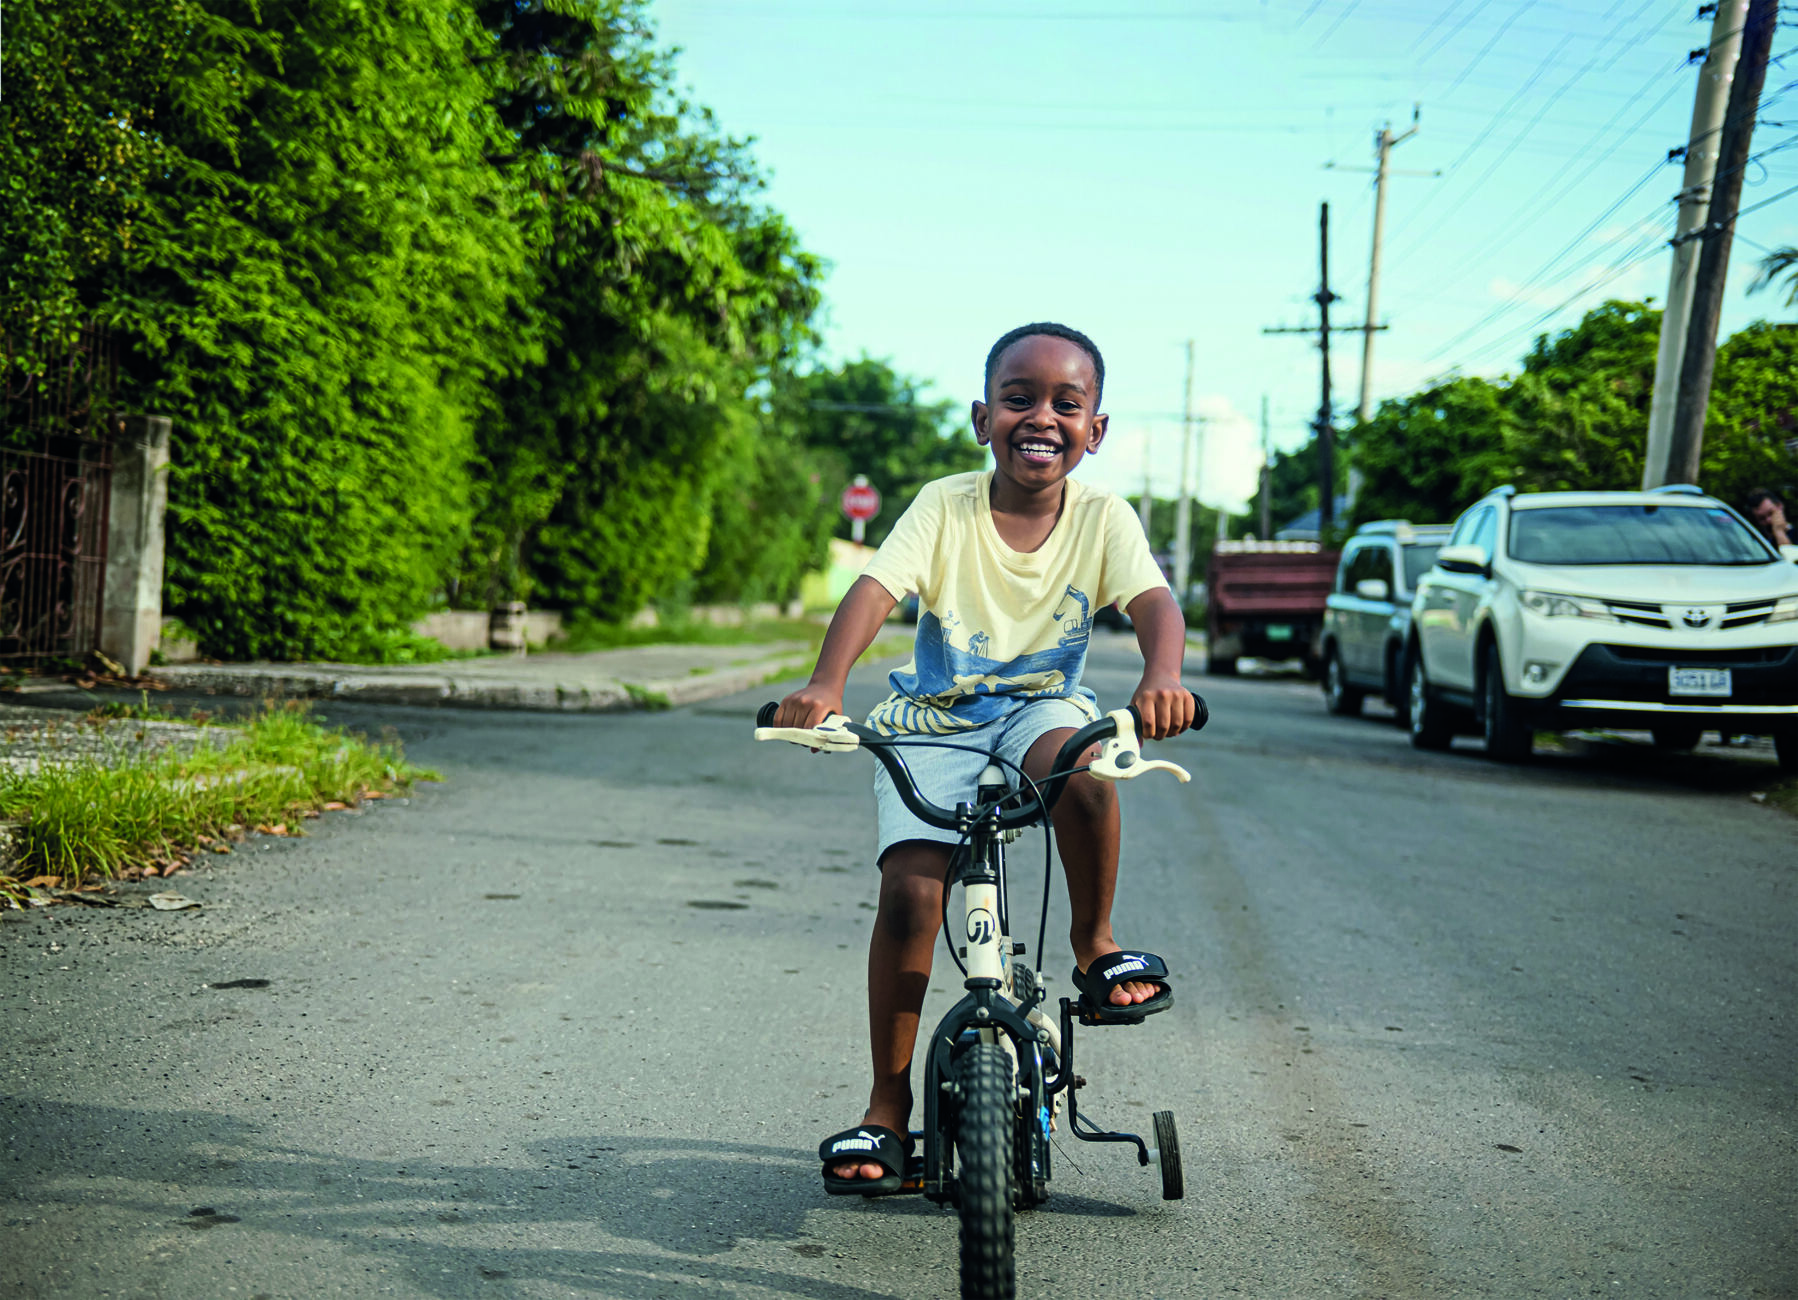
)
(852, 630)
(1164, 703)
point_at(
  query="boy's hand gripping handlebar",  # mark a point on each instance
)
(831, 735)
(1121, 758)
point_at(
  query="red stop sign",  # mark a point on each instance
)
(861, 501)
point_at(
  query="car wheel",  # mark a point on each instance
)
(1218, 666)
(1339, 697)
(1677, 738)
(1785, 744)
(1396, 693)
(1508, 738)
(1428, 724)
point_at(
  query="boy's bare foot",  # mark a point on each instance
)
(888, 1116)
(1124, 995)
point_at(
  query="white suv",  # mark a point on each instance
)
(1656, 610)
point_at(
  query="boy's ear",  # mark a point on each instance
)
(978, 415)
(1100, 424)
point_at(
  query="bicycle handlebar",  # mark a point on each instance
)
(886, 750)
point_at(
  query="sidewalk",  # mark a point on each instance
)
(644, 677)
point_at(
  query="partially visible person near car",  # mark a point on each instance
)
(1768, 513)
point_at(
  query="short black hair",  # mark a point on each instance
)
(1054, 331)
(1760, 494)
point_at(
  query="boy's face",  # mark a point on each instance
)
(1041, 416)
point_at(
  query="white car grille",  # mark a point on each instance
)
(1629, 611)
(1746, 614)
(1743, 614)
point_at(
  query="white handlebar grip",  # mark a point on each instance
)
(1121, 758)
(829, 735)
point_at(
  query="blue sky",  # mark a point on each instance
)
(1150, 172)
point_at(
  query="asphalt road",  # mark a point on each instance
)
(572, 1023)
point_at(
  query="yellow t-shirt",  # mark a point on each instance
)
(996, 626)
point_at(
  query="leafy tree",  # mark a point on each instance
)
(1208, 525)
(1576, 418)
(1778, 262)
(310, 266)
(772, 518)
(665, 297)
(1424, 457)
(1753, 421)
(79, 150)
(865, 418)
(1578, 414)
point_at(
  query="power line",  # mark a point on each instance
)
(1486, 49)
(1341, 18)
(1467, 193)
(1517, 229)
(1643, 250)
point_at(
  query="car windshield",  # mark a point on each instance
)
(1418, 560)
(1649, 533)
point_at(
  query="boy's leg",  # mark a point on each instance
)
(1086, 830)
(899, 955)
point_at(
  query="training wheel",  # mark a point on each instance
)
(1167, 1155)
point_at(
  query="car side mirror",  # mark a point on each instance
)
(1465, 558)
(1372, 589)
(1790, 552)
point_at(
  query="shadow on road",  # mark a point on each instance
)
(442, 1225)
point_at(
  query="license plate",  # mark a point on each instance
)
(1698, 681)
(1279, 632)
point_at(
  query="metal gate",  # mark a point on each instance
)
(53, 504)
(55, 489)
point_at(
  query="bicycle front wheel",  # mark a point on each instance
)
(984, 1174)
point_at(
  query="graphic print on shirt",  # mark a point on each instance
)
(952, 688)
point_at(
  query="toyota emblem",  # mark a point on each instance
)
(1696, 618)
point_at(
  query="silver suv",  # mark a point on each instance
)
(1656, 610)
(1367, 618)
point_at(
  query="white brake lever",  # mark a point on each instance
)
(1121, 758)
(829, 735)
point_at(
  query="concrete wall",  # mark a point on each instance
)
(131, 610)
(466, 629)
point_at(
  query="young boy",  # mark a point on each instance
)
(1009, 567)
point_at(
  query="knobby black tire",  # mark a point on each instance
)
(1167, 1142)
(983, 1144)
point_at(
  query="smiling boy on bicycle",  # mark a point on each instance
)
(1009, 567)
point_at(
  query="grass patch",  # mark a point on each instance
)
(1783, 796)
(145, 814)
(645, 698)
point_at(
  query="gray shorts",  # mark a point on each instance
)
(947, 777)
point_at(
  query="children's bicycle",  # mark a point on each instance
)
(998, 1070)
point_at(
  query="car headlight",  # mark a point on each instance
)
(1785, 609)
(1551, 605)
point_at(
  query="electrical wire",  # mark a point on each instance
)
(1547, 267)
(1456, 30)
(1486, 49)
(1467, 193)
(1641, 252)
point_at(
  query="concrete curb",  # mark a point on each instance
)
(487, 690)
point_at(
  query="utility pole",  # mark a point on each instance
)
(1708, 107)
(1326, 420)
(1716, 237)
(1183, 510)
(1387, 142)
(1325, 424)
(1267, 478)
